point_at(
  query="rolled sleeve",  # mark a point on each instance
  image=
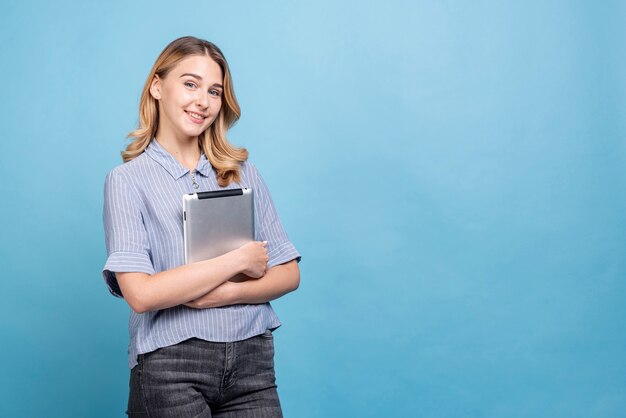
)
(268, 226)
(125, 233)
(282, 253)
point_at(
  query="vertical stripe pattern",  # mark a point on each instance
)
(144, 233)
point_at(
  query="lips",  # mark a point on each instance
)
(196, 117)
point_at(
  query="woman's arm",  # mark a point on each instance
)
(144, 292)
(278, 281)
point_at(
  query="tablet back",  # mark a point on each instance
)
(217, 222)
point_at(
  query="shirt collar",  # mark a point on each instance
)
(171, 164)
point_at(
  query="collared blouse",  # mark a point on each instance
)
(143, 223)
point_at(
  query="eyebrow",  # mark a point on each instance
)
(200, 78)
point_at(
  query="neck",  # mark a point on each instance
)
(187, 152)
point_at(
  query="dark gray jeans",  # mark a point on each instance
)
(201, 379)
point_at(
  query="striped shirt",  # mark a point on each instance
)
(143, 227)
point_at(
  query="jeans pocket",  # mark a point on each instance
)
(136, 402)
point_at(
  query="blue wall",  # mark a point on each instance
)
(453, 173)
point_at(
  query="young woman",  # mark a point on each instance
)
(201, 341)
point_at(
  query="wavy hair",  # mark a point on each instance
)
(225, 158)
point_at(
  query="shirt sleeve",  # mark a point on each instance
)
(125, 233)
(267, 224)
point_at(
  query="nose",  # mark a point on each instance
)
(202, 100)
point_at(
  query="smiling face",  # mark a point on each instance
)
(189, 97)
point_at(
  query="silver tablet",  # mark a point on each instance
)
(215, 223)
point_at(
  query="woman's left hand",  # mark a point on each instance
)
(223, 295)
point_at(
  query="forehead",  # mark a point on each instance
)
(201, 65)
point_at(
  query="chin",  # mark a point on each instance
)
(192, 133)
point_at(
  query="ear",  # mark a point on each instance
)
(155, 87)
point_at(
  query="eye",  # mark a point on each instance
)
(190, 84)
(214, 92)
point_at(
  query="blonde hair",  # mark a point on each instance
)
(225, 158)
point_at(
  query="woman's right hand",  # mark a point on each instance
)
(254, 258)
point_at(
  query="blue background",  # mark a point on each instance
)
(453, 173)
